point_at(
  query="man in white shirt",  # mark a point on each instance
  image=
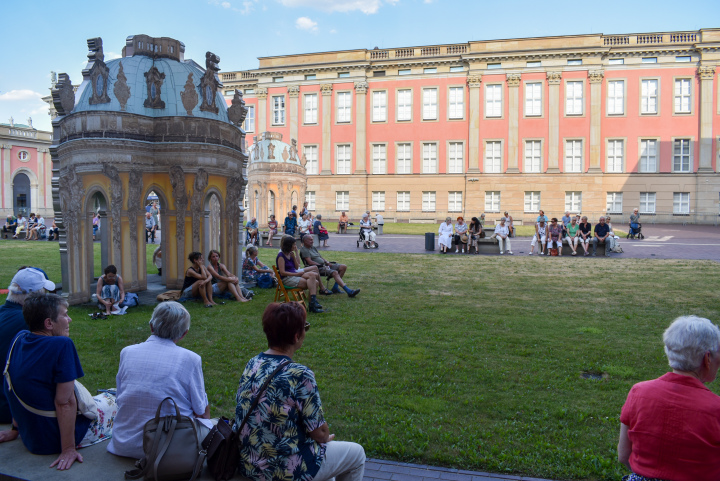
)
(380, 222)
(366, 228)
(502, 234)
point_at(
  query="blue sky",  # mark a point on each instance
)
(42, 35)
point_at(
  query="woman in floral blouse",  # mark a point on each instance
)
(287, 437)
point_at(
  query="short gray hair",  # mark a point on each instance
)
(250, 250)
(170, 320)
(688, 339)
(16, 295)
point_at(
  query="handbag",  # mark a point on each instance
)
(265, 281)
(223, 442)
(172, 447)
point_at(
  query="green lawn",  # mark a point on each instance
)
(471, 363)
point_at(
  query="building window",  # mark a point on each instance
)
(493, 157)
(277, 79)
(23, 155)
(574, 61)
(534, 63)
(343, 74)
(493, 66)
(532, 202)
(683, 58)
(648, 155)
(404, 71)
(533, 155)
(573, 201)
(249, 123)
(533, 99)
(649, 60)
(428, 202)
(311, 156)
(229, 93)
(249, 91)
(454, 201)
(455, 158)
(456, 103)
(616, 61)
(493, 100)
(430, 70)
(403, 201)
(404, 158)
(342, 201)
(681, 203)
(430, 104)
(310, 76)
(681, 155)
(379, 106)
(492, 201)
(457, 68)
(310, 199)
(379, 73)
(404, 104)
(378, 200)
(614, 156)
(682, 96)
(614, 203)
(343, 159)
(343, 107)
(278, 104)
(311, 109)
(647, 202)
(616, 97)
(429, 158)
(649, 97)
(379, 160)
(574, 98)
(573, 155)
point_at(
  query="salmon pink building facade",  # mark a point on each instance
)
(590, 123)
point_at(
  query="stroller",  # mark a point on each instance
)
(635, 231)
(367, 243)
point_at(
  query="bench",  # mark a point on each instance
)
(488, 245)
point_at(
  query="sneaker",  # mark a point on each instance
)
(353, 293)
(530, 253)
(574, 254)
(510, 253)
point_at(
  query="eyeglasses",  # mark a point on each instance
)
(307, 326)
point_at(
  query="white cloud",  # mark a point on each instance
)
(112, 55)
(366, 6)
(247, 8)
(20, 95)
(305, 23)
(225, 5)
(333, 31)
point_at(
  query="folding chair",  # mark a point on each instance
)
(296, 294)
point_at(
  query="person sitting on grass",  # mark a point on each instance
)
(572, 235)
(198, 281)
(585, 234)
(554, 236)
(272, 229)
(223, 279)
(670, 426)
(343, 223)
(293, 277)
(37, 229)
(311, 257)
(321, 231)
(42, 367)
(253, 267)
(540, 236)
(502, 234)
(110, 291)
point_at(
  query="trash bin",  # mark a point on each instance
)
(429, 241)
(380, 229)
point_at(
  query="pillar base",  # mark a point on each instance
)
(552, 170)
(594, 170)
(325, 172)
(473, 170)
(512, 170)
(705, 170)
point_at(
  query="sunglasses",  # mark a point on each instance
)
(307, 326)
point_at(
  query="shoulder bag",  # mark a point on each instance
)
(223, 442)
(172, 448)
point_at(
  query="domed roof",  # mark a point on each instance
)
(269, 147)
(151, 66)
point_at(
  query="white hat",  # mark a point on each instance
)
(31, 280)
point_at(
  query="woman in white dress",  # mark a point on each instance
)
(304, 225)
(446, 234)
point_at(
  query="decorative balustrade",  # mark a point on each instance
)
(234, 76)
(683, 37)
(378, 54)
(404, 52)
(430, 51)
(228, 76)
(23, 133)
(646, 39)
(650, 39)
(614, 41)
(455, 49)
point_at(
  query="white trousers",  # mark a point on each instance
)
(573, 241)
(504, 242)
(557, 243)
(535, 240)
(344, 461)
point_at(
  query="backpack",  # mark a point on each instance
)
(131, 300)
(265, 281)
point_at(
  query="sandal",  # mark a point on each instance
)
(208, 305)
(326, 292)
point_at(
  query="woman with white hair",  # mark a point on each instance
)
(670, 426)
(446, 234)
(153, 370)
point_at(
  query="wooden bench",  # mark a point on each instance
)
(489, 245)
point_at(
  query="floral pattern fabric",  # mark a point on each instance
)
(248, 271)
(275, 444)
(101, 428)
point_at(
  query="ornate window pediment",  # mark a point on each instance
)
(97, 72)
(154, 80)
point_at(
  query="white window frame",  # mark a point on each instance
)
(682, 100)
(342, 200)
(614, 203)
(249, 122)
(430, 103)
(681, 203)
(574, 98)
(648, 156)
(403, 108)
(404, 158)
(310, 116)
(573, 201)
(455, 200)
(492, 201)
(455, 157)
(533, 99)
(403, 201)
(310, 199)
(649, 101)
(278, 110)
(343, 108)
(531, 201)
(343, 159)
(379, 105)
(456, 102)
(682, 162)
(430, 157)
(379, 158)
(493, 156)
(614, 161)
(378, 200)
(615, 97)
(648, 203)
(312, 165)
(429, 201)
(574, 156)
(494, 101)
(533, 164)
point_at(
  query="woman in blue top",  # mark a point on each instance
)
(292, 277)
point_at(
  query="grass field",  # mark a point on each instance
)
(471, 363)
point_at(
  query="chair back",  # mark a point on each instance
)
(282, 294)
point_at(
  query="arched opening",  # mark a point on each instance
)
(156, 204)
(294, 199)
(212, 223)
(271, 204)
(21, 194)
(96, 214)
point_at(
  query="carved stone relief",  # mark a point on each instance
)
(293, 91)
(196, 204)
(177, 181)
(189, 95)
(285, 155)
(706, 72)
(209, 83)
(474, 81)
(361, 87)
(513, 80)
(116, 200)
(271, 152)
(596, 76)
(326, 89)
(71, 196)
(232, 206)
(121, 89)
(154, 80)
(97, 72)
(303, 160)
(63, 95)
(261, 93)
(237, 111)
(293, 149)
(554, 78)
(135, 211)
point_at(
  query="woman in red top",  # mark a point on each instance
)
(670, 426)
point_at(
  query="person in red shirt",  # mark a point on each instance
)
(670, 426)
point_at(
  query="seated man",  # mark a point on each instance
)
(110, 291)
(343, 223)
(53, 232)
(321, 231)
(502, 234)
(366, 228)
(150, 227)
(310, 256)
(42, 367)
(602, 236)
(252, 231)
(10, 225)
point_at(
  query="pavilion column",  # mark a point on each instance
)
(262, 110)
(361, 166)
(595, 77)
(513, 82)
(6, 180)
(326, 90)
(707, 75)
(41, 179)
(474, 151)
(293, 93)
(554, 79)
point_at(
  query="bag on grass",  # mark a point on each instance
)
(131, 300)
(265, 281)
(169, 296)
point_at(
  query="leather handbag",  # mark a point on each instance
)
(172, 447)
(223, 443)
